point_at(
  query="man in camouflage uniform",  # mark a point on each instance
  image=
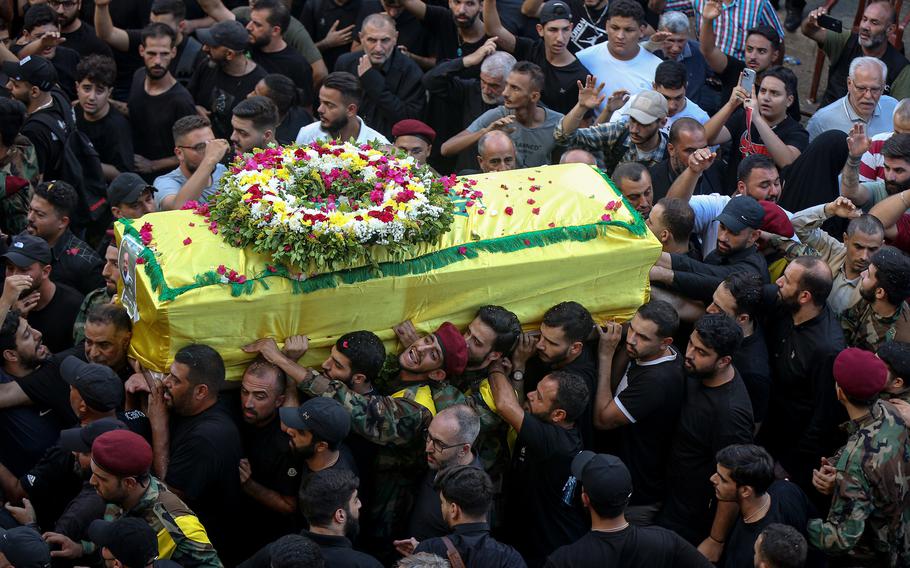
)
(881, 314)
(896, 355)
(98, 296)
(18, 168)
(121, 461)
(869, 519)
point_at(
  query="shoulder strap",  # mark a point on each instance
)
(454, 558)
(188, 57)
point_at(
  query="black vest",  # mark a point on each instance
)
(838, 71)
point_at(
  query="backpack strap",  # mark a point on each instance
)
(454, 558)
(185, 65)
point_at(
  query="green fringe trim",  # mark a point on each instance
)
(420, 265)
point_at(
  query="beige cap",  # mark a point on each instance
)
(647, 106)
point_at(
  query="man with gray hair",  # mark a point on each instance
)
(864, 102)
(672, 43)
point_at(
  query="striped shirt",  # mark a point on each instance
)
(736, 18)
(872, 165)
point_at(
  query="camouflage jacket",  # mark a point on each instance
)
(866, 329)
(94, 298)
(870, 510)
(18, 171)
(181, 537)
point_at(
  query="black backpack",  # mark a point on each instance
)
(79, 164)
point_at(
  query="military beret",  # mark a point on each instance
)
(122, 453)
(859, 373)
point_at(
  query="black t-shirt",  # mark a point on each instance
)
(290, 63)
(632, 547)
(182, 71)
(411, 31)
(711, 418)
(540, 487)
(751, 360)
(560, 91)
(205, 454)
(65, 61)
(85, 42)
(297, 118)
(151, 118)
(442, 27)
(318, 16)
(274, 466)
(663, 176)
(426, 518)
(790, 132)
(589, 25)
(51, 485)
(729, 78)
(111, 136)
(650, 395)
(28, 431)
(55, 321)
(789, 506)
(47, 390)
(219, 92)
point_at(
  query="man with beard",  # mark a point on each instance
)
(48, 306)
(645, 404)
(687, 136)
(563, 72)
(803, 337)
(392, 89)
(79, 35)
(339, 103)
(638, 137)
(634, 182)
(671, 221)
(865, 102)
(896, 152)
(269, 20)
(229, 75)
(847, 260)
(254, 122)
(197, 446)
(876, 26)
(882, 314)
(155, 103)
(715, 413)
(200, 169)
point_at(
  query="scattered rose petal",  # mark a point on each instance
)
(551, 225)
(140, 260)
(480, 211)
(462, 250)
(508, 210)
(527, 242)
(192, 224)
(221, 269)
(531, 202)
(536, 211)
(187, 241)
(605, 217)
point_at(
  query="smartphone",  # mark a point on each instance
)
(748, 80)
(829, 23)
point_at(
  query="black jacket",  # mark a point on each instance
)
(476, 547)
(698, 280)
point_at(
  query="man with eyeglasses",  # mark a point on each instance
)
(79, 36)
(864, 102)
(199, 155)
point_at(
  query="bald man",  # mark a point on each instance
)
(496, 152)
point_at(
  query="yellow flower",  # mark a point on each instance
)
(338, 219)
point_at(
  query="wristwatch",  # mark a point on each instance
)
(518, 376)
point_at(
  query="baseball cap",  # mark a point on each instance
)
(741, 212)
(776, 220)
(122, 453)
(454, 349)
(34, 69)
(647, 106)
(26, 250)
(80, 439)
(554, 10)
(229, 33)
(130, 539)
(325, 417)
(24, 548)
(414, 127)
(126, 188)
(859, 373)
(604, 477)
(98, 385)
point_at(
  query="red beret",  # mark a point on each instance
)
(122, 453)
(413, 127)
(776, 220)
(454, 349)
(859, 373)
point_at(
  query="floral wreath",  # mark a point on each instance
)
(322, 205)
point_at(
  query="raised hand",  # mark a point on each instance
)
(296, 346)
(738, 96)
(616, 100)
(13, 287)
(610, 334)
(701, 159)
(843, 208)
(364, 65)
(589, 93)
(406, 333)
(857, 141)
(711, 10)
(487, 49)
(337, 37)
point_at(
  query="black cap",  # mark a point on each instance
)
(33, 68)
(229, 33)
(130, 539)
(325, 417)
(126, 188)
(81, 439)
(554, 10)
(24, 548)
(742, 212)
(604, 477)
(27, 249)
(98, 385)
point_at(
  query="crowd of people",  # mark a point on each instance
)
(754, 412)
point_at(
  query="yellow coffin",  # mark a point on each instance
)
(535, 237)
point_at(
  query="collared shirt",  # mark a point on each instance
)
(76, 264)
(171, 182)
(840, 115)
(614, 141)
(476, 547)
(735, 19)
(312, 132)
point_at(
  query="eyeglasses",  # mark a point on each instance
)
(870, 90)
(438, 445)
(197, 147)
